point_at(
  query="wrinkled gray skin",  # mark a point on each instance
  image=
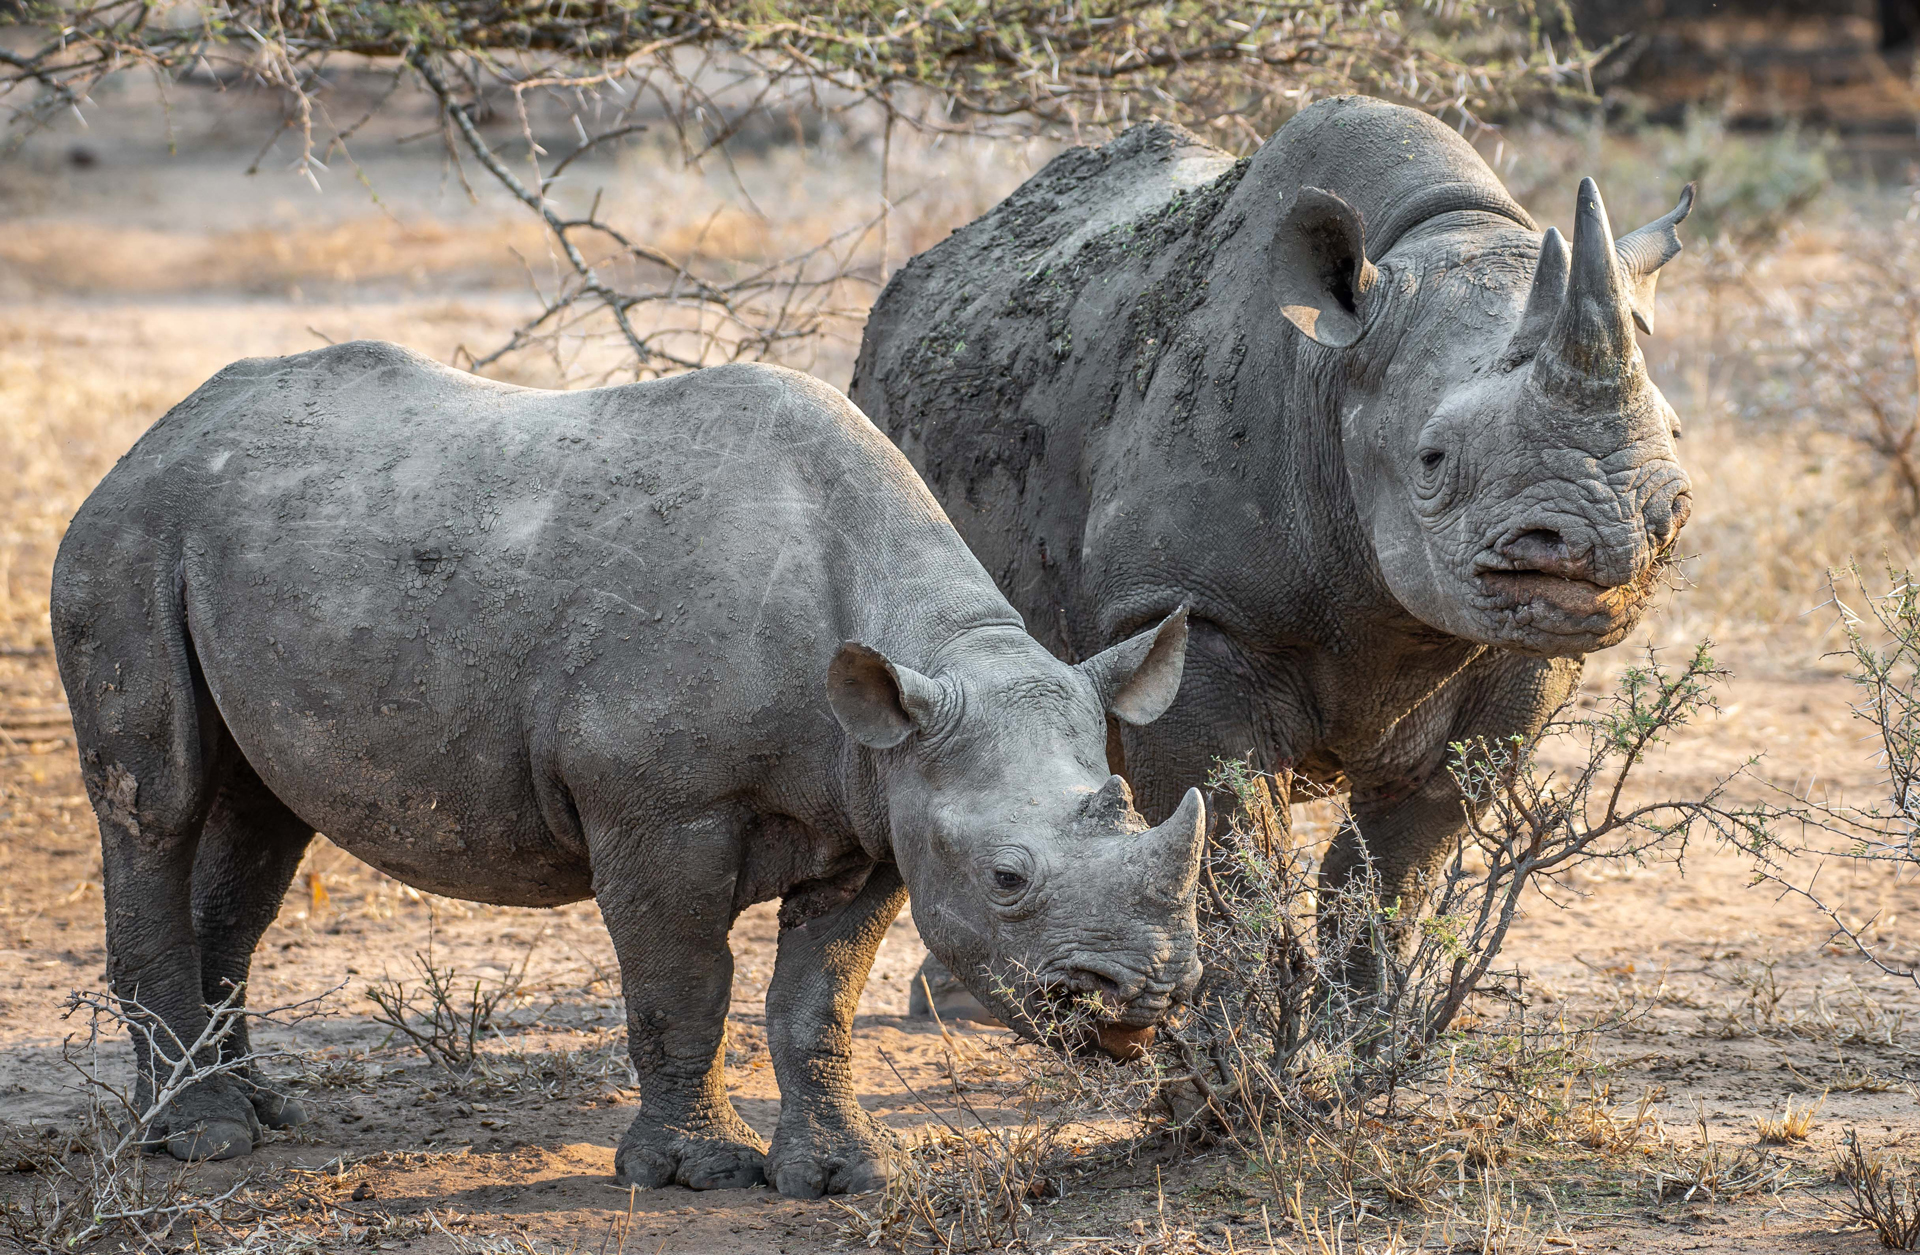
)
(681, 646)
(1397, 450)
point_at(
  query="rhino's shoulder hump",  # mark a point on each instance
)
(961, 345)
(789, 405)
(1079, 194)
(336, 368)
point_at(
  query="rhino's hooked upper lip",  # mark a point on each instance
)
(1538, 563)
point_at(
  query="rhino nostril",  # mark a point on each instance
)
(1086, 981)
(1539, 548)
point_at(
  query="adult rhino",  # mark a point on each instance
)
(1397, 450)
(680, 646)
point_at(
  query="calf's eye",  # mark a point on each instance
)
(1008, 882)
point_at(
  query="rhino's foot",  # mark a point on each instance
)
(213, 1120)
(275, 1109)
(808, 1161)
(721, 1154)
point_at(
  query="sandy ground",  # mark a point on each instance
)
(126, 279)
(1742, 1006)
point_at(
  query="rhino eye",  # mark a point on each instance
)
(1432, 458)
(1008, 881)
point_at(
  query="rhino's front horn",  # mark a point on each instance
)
(1177, 847)
(1589, 350)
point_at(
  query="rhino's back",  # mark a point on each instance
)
(965, 330)
(417, 596)
(992, 358)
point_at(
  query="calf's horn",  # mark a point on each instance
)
(1178, 844)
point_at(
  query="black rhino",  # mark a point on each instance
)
(1397, 450)
(681, 646)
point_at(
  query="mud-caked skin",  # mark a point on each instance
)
(681, 646)
(1397, 449)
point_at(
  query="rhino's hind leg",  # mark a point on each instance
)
(825, 1143)
(668, 905)
(153, 750)
(249, 850)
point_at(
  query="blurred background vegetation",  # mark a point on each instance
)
(577, 191)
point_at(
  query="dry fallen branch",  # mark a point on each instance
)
(98, 1183)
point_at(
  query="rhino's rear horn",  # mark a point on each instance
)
(1111, 804)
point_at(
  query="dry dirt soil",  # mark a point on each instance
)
(1742, 1001)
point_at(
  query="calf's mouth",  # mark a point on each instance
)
(1123, 1043)
(1123, 1035)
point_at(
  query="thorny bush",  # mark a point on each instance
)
(1883, 1197)
(1408, 1094)
(1282, 1031)
(1873, 841)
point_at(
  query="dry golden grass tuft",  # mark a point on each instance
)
(1791, 1125)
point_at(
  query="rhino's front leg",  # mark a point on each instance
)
(1407, 812)
(825, 1143)
(668, 903)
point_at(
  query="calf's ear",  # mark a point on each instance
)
(879, 703)
(1321, 272)
(1137, 678)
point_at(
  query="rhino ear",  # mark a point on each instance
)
(1137, 678)
(1321, 272)
(878, 702)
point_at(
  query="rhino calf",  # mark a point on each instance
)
(681, 646)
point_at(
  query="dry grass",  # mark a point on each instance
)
(1883, 1195)
(1712, 1172)
(1791, 1125)
(87, 259)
